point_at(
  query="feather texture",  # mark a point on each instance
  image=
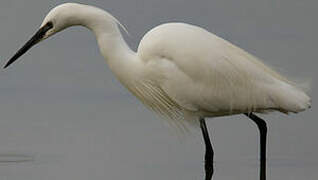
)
(225, 80)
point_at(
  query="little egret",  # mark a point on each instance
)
(183, 72)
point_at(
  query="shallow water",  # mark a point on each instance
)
(51, 167)
(64, 117)
(99, 143)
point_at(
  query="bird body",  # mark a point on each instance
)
(183, 72)
(206, 74)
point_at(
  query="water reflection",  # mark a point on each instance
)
(15, 158)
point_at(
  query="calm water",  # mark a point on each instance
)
(90, 141)
(64, 117)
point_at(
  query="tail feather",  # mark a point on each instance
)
(290, 99)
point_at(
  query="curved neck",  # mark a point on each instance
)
(113, 47)
(105, 28)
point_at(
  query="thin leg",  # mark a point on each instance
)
(209, 153)
(261, 124)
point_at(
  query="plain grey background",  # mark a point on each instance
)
(63, 112)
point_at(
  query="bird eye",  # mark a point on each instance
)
(50, 24)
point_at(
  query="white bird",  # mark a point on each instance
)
(183, 72)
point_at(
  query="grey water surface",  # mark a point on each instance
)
(64, 116)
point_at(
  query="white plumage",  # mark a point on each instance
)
(184, 72)
(207, 76)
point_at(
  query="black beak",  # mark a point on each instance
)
(34, 40)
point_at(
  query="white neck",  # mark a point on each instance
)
(113, 47)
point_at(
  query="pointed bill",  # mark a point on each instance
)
(34, 40)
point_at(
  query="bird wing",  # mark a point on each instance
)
(205, 73)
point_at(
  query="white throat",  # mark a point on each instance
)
(112, 46)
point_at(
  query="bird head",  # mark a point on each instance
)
(59, 18)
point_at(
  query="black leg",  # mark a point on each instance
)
(261, 124)
(209, 153)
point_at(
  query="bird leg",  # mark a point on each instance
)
(209, 153)
(261, 124)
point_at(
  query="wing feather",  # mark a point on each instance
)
(153, 97)
(207, 73)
